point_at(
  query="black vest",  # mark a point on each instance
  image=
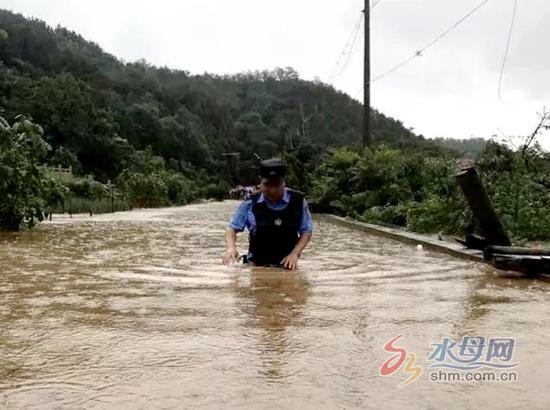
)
(276, 231)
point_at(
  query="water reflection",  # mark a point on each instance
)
(273, 301)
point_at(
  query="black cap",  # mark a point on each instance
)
(272, 169)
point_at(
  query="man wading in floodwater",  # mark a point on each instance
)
(277, 218)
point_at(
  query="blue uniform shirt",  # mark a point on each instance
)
(244, 218)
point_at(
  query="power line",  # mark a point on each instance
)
(348, 50)
(507, 50)
(351, 51)
(419, 53)
(375, 4)
(483, 3)
(353, 47)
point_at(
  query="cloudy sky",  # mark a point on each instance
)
(451, 90)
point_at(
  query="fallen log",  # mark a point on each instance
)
(529, 264)
(482, 207)
(515, 250)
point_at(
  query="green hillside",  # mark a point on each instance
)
(99, 112)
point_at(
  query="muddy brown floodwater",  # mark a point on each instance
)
(135, 310)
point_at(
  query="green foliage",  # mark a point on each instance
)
(25, 191)
(144, 190)
(519, 185)
(385, 185)
(298, 171)
(160, 134)
(386, 215)
(100, 114)
(437, 214)
(470, 148)
(215, 191)
(67, 159)
(164, 187)
(416, 189)
(87, 188)
(388, 186)
(180, 189)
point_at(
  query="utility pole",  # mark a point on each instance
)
(233, 162)
(366, 80)
(284, 137)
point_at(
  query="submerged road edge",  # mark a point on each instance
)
(437, 245)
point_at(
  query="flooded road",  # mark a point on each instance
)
(135, 310)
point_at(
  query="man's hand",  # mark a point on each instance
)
(290, 261)
(230, 256)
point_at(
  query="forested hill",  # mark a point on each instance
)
(101, 114)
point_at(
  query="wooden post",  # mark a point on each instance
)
(482, 207)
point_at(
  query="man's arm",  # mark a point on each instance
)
(237, 224)
(291, 260)
(302, 243)
(231, 255)
(306, 232)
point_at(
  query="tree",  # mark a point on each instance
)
(25, 191)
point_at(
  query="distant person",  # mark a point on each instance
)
(277, 218)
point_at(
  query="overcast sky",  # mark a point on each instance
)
(451, 90)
